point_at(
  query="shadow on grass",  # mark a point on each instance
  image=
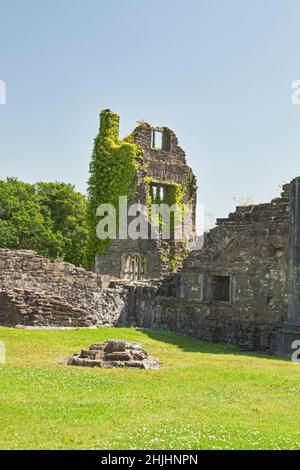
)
(192, 344)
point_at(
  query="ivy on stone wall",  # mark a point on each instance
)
(113, 171)
(179, 194)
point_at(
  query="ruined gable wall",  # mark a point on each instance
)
(162, 165)
(159, 166)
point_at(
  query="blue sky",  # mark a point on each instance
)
(219, 72)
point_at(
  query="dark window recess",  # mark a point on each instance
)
(221, 288)
(158, 193)
(274, 251)
(206, 288)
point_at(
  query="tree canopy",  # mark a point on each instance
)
(49, 218)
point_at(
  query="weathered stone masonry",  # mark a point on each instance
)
(291, 329)
(35, 291)
(235, 289)
(163, 167)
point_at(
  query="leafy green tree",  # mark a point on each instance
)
(67, 211)
(48, 218)
(22, 225)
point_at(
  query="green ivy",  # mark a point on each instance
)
(113, 173)
(181, 194)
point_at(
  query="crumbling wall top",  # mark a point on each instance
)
(159, 143)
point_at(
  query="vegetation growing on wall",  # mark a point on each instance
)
(181, 195)
(113, 170)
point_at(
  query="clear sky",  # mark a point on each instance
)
(219, 72)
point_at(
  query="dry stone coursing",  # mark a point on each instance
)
(35, 291)
(114, 354)
(247, 254)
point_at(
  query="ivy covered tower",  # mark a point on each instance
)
(148, 166)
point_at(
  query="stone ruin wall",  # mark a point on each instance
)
(165, 166)
(250, 248)
(36, 291)
(162, 167)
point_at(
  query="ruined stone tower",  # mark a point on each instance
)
(162, 176)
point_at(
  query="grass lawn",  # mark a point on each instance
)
(206, 396)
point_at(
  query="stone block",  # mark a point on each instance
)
(114, 346)
(118, 356)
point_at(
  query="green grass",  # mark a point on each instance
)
(206, 396)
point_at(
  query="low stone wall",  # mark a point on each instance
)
(205, 322)
(39, 292)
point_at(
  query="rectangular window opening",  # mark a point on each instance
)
(133, 266)
(158, 193)
(221, 288)
(157, 140)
